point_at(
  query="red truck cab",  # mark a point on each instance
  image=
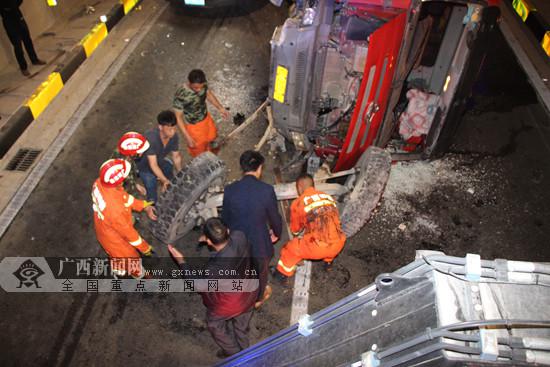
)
(346, 75)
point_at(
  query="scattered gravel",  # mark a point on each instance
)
(413, 184)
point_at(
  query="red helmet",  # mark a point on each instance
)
(113, 172)
(132, 143)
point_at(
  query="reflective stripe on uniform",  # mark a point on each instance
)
(98, 212)
(99, 203)
(317, 204)
(287, 269)
(326, 196)
(136, 242)
(129, 202)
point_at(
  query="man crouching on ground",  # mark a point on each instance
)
(315, 224)
(155, 165)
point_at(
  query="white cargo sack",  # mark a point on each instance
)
(418, 117)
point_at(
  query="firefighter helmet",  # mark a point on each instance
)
(114, 171)
(132, 143)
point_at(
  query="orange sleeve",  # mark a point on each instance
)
(126, 229)
(296, 215)
(138, 205)
(131, 202)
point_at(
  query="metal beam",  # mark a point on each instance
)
(284, 191)
(528, 52)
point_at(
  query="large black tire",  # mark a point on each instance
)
(368, 186)
(176, 216)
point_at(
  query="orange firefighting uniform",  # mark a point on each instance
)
(203, 132)
(315, 213)
(115, 230)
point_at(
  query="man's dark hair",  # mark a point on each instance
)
(216, 231)
(196, 76)
(306, 177)
(251, 160)
(166, 118)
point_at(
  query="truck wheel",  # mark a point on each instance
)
(176, 208)
(368, 186)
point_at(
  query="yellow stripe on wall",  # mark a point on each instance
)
(523, 8)
(94, 38)
(44, 94)
(128, 5)
(546, 43)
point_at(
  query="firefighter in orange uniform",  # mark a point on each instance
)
(315, 224)
(113, 219)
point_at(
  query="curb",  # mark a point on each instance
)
(50, 88)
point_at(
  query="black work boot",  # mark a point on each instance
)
(327, 266)
(280, 277)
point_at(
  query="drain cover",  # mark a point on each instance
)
(23, 159)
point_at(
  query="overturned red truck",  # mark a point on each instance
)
(390, 75)
(347, 75)
(353, 86)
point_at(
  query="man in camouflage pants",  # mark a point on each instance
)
(194, 120)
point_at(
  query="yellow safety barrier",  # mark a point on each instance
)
(523, 8)
(128, 5)
(94, 38)
(546, 43)
(44, 94)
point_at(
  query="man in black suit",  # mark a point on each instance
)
(250, 205)
(18, 32)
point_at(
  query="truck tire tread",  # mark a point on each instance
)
(375, 165)
(174, 205)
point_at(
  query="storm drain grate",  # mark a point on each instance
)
(23, 159)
